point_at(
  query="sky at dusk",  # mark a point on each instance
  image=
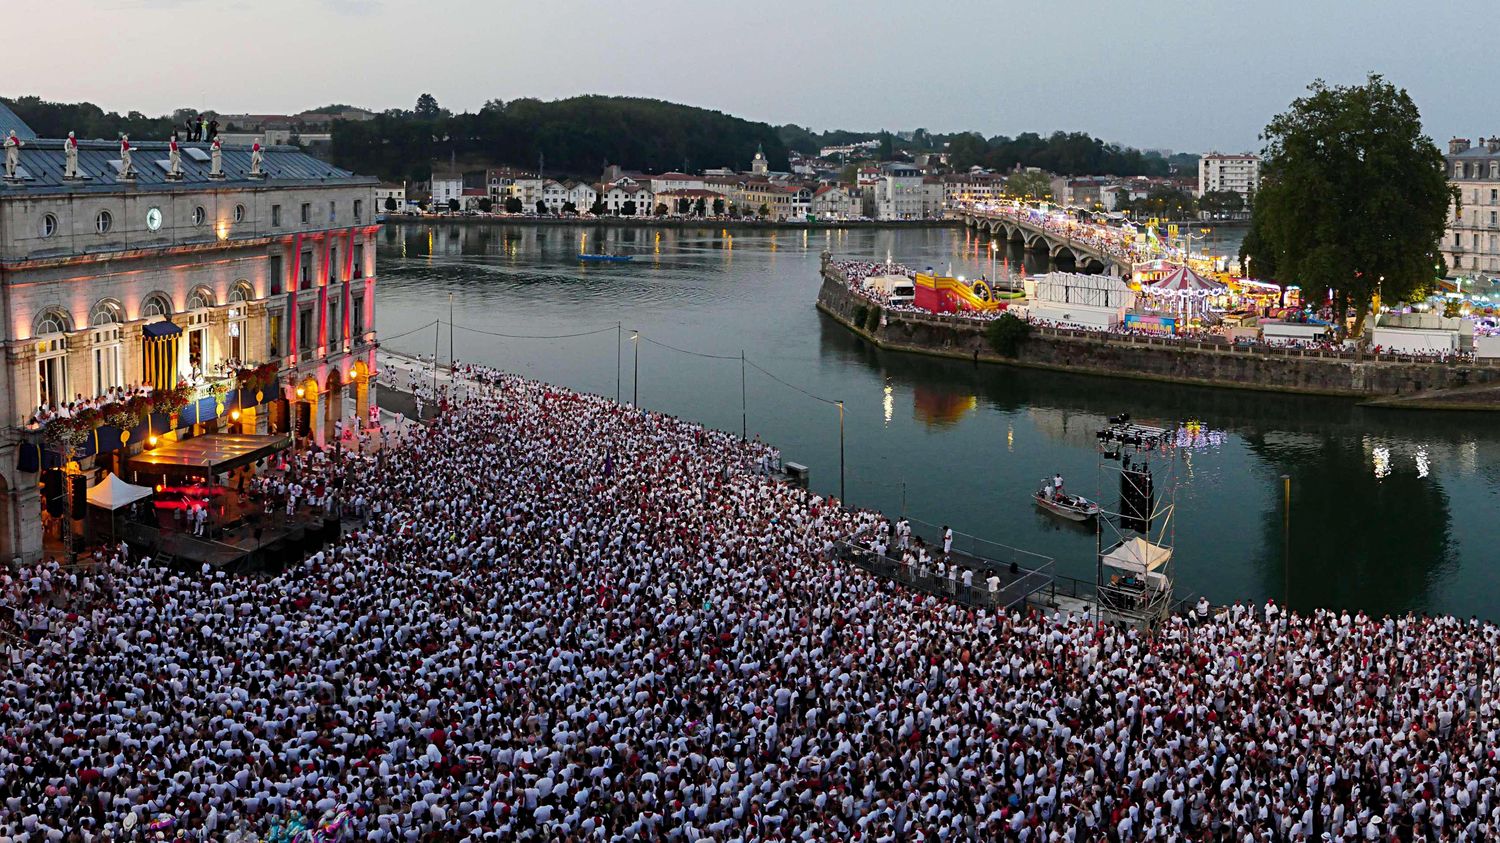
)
(1187, 75)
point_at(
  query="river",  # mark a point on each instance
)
(1390, 510)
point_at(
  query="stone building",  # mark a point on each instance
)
(1471, 245)
(189, 277)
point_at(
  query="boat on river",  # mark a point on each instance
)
(591, 258)
(1064, 505)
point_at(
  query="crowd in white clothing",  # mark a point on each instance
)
(564, 619)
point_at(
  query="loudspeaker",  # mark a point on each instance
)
(53, 493)
(80, 495)
(1137, 497)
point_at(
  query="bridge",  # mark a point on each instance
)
(1080, 247)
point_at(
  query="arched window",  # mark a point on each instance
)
(201, 299)
(51, 321)
(156, 304)
(51, 356)
(242, 292)
(105, 312)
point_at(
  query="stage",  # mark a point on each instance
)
(205, 456)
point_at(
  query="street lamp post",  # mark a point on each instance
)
(297, 421)
(619, 341)
(1286, 542)
(841, 453)
(635, 376)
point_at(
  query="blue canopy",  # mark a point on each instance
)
(163, 328)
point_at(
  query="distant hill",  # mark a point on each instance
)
(576, 136)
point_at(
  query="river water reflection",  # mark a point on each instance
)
(1391, 511)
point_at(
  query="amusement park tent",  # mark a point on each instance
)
(111, 493)
(1185, 282)
(1137, 556)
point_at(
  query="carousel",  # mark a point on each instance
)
(1184, 295)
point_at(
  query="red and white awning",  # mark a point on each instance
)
(1184, 282)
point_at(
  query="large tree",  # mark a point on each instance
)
(1353, 196)
(1030, 184)
(428, 108)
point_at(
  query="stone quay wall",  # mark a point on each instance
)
(1149, 358)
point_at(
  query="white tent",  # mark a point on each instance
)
(1137, 556)
(111, 493)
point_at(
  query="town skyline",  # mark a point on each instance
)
(1172, 89)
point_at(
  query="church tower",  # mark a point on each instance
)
(758, 165)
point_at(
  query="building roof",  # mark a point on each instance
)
(42, 163)
(1478, 151)
(10, 121)
(690, 193)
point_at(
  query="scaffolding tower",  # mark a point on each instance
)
(1134, 572)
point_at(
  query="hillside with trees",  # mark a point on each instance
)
(575, 136)
(1064, 153)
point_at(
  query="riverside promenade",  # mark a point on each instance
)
(662, 222)
(1388, 380)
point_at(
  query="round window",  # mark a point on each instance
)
(199, 215)
(103, 221)
(49, 225)
(239, 213)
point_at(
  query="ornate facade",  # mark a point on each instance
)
(245, 260)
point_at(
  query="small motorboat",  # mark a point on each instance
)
(1064, 505)
(589, 258)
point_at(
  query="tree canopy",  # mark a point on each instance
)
(1353, 196)
(1065, 153)
(577, 136)
(56, 119)
(1030, 183)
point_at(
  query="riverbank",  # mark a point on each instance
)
(1429, 385)
(650, 222)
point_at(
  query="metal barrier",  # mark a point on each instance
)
(1021, 573)
(972, 545)
(1006, 596)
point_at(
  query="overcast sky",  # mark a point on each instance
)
(1187, 75)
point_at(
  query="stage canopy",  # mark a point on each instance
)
(212, 454)
(111, 493)
(1137, 556)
